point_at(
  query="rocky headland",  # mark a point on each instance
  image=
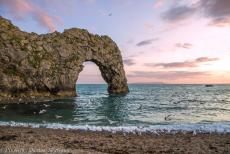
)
(46, 66)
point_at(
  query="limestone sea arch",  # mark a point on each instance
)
(48, 65)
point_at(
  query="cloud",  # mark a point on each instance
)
(178, 13)
(172, 75)
(185, 64)
(19, 8)
(205, 59)
(146, 42)
(173, 64)
(220, 22)
(184, 45)
(129, 62)
(218, 11)
(216, 8)
(159, 3)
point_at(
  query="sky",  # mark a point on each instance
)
(161, 41)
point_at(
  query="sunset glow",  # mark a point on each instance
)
(162, 41)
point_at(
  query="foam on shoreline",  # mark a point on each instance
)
(220, 127)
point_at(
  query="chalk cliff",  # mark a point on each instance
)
(45, 66)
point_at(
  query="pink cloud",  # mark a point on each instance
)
(205, 59)
(184, 64)
(159, 3)
(17, 8)
(129, 62)
(20, 8)
(172, 75)
(45, 20)
(185, 77)
(184, 45)
(221, 22)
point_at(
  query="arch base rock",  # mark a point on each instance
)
(47, 66)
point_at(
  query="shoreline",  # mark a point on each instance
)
(194, 128)
(22, 139)
(24, 98)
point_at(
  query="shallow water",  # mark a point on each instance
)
(146, 106)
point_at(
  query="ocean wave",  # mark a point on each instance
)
(219, 127)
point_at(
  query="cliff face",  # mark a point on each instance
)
(47, 66)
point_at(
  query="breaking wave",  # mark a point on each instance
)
(220, 127)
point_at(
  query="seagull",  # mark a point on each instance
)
(42, 111)
(140, 107)
(75, 119)
(46, 105)
(58, 117)
(111, 122)
(4, 107)
(167, 118)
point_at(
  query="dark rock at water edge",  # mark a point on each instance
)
(47, 66)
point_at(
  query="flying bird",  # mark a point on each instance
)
(4, 107)
(42, 111)
(167, 118)
(58, 117)
(46, 105)
(140, 107)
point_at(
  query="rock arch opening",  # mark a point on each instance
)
(95, 71)
(90, 74)
(90, 79)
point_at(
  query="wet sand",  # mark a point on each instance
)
(24, 140)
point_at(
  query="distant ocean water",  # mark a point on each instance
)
(146, 108)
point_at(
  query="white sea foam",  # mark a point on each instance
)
(220, 127)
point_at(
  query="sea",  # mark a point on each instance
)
(146, 108)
